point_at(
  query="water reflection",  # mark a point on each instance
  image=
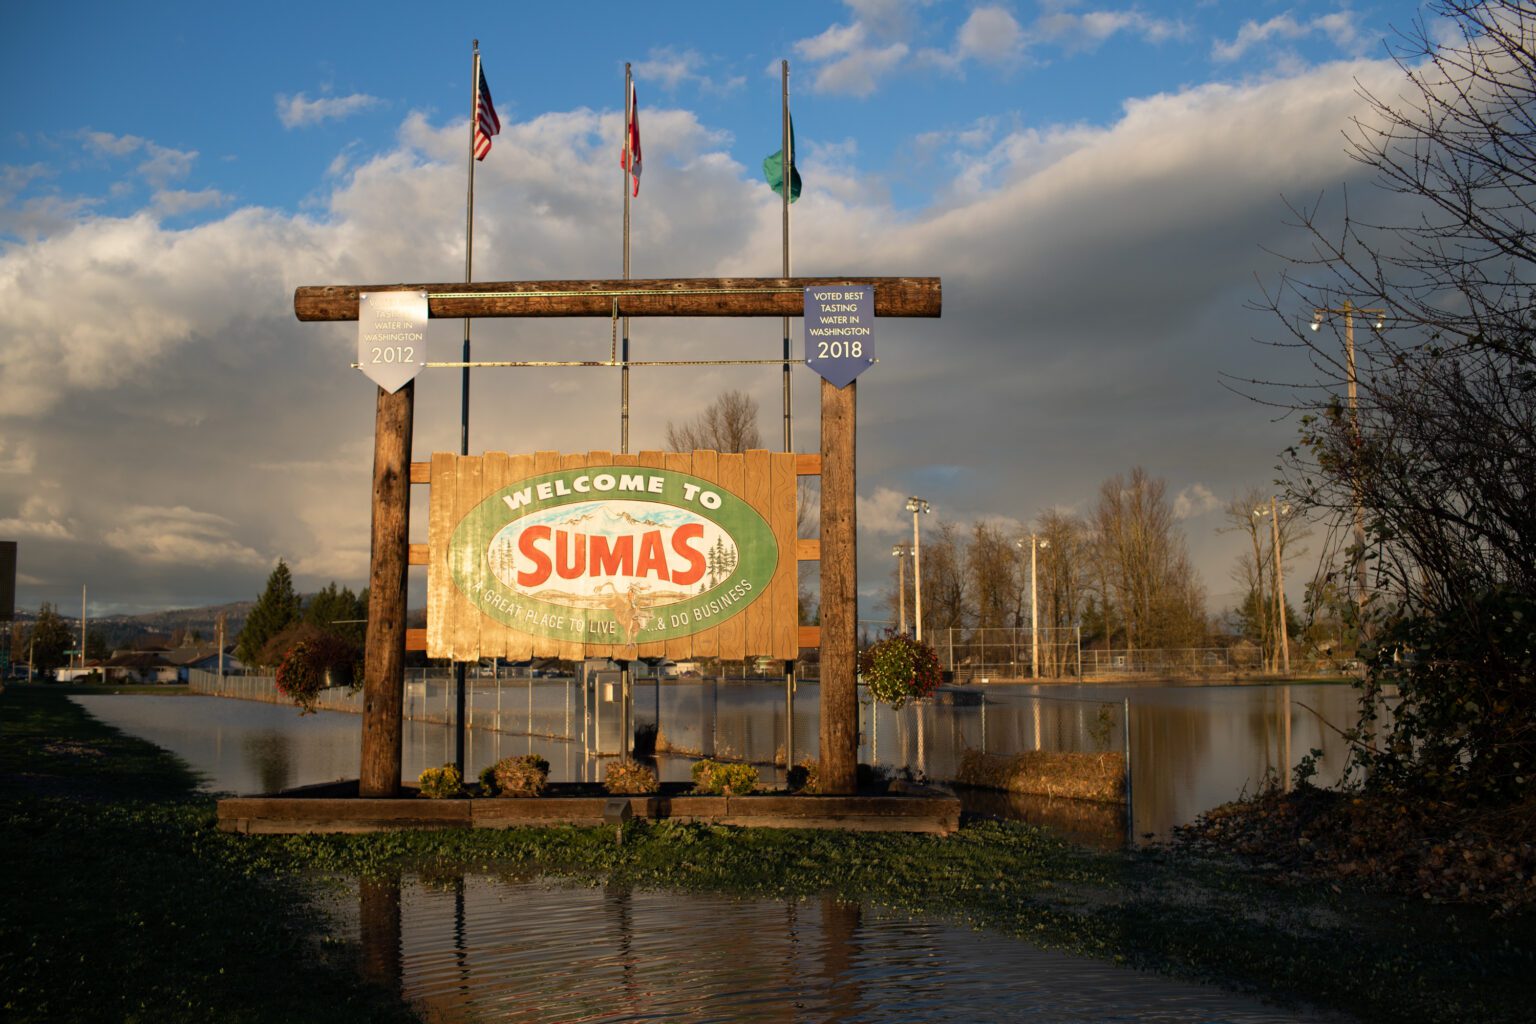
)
(482, 948)
(1191, 748)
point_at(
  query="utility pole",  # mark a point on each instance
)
(901, 551)
(1378, 321)
(917, 506)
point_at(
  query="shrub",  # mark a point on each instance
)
(805, 777)
(315, 661)
(488, 785)
(440, 783)
(899, 669)
(723, 777)
(524, 775)
(629, 777)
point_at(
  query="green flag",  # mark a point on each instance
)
(773, 168)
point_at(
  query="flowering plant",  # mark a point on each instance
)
(313, 663)
(899, 669)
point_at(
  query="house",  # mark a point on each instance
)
(204, 657)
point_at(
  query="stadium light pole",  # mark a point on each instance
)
(1275, 511)
(900, 552)
(1378, 321)
(917, 506)
(1035, 545)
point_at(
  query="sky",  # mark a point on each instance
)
(1101, 186)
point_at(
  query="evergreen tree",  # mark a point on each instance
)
(338, 611)
(276, 609)
(48, 639)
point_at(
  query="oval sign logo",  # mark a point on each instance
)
(612, 555)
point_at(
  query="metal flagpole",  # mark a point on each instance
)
(787, 165)
(469, 266)
(629, 167)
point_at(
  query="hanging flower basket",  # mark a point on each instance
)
(899, 669)
(314, 663)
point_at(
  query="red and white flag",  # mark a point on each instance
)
(632, 148)
(486, 121)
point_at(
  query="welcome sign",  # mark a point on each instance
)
(650, 555)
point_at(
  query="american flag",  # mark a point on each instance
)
(632, 129)
(486, 121)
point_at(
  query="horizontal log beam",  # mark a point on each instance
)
(709, 296)
(805, 465)
(416, 639)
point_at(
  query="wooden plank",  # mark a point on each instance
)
(415, 639)
(808, 549)
(418, 554)
(543, 646)
(839, 590)
(757, 489)
(519, 645)
(808, 465)
(733, 632)
(679, 648)
(706, 465)
(421, 472)
(384, 647)
(573, 650)
(653, 648)
(785, 589)
(495, 637)
(464, 634)
(810, 637)
(718, 296)
(441, 600)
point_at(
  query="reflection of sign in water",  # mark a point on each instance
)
(611, 556)
(839, 331)
(392, 337)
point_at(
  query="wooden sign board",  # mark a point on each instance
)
(655, 555)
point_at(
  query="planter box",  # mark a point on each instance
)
(335, 807)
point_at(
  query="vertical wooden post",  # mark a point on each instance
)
(839, 592)
(384, 656)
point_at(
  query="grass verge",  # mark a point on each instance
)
(124, 904)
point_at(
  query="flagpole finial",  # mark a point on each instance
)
(477, 46)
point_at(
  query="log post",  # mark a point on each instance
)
(839, 592)
(384, 655)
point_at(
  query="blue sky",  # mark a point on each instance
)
(1099, 184)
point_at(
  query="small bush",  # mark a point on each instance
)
(441, 783)
(717, 777)
(805, 777)
(524, 775)
(899, 669)
(488, 785)
(629, 777)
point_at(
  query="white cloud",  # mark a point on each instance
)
(161, 164)
(40, 517)
(1195, 500)
(990, 35)
(181, 536)
(1339, 27)
(299, 111)
(172, 202)
(670, 69)
(1087, 30)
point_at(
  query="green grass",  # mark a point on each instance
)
(235, 902)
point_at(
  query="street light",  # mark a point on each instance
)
(901, 553)
(1378, 322)
(1035, 544)
(917, 506)
(1274, 512)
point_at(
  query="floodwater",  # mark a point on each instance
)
(478, 947)
(1191, 747)
(481, 948)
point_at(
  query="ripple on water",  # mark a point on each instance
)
(486, 949)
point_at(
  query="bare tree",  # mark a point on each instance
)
(729, 424)
(1144, 561)
(1428, 425)
(1061, 583)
